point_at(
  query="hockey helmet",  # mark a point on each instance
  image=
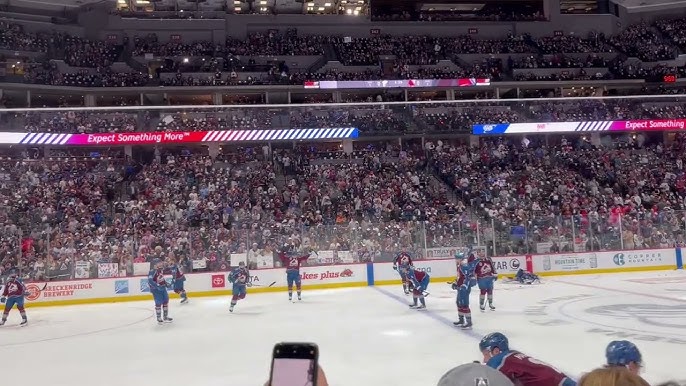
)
(494, 340)
(621, 353)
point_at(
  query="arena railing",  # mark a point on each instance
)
(53, 254)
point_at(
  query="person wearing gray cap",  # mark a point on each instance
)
(474, 374)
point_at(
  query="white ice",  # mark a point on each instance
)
(367, 336)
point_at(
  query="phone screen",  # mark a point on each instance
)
(293, 372)
(294, 364)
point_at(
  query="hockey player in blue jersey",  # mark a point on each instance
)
(401, 259)
(485, 277)
(622, 353)
(178, 279)
(418, 281)
(158, 289)
(463, 284)
(12, 295)
(240, 277)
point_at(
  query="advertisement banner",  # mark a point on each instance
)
(396, 83)
(218, 281)
(154, 138)
(637, 258)
(333, 274)
(565, 262)
(59, 291)
(509, 265)
(442, 253)
(449, 252)
(107, 270)
(677, 124)
(121, 287)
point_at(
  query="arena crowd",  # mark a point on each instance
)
(625, 194)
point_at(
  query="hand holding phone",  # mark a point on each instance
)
(295, 364)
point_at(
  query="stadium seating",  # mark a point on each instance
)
(75, 61)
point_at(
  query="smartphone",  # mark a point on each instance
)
(294, 364)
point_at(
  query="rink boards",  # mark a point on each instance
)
(352, 275)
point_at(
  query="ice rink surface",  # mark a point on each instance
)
(367, 336)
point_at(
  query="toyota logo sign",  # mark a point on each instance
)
(218, 281)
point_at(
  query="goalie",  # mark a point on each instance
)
(525, 277)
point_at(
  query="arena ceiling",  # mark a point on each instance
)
(351, 7)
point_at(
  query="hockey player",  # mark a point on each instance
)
(525, 277)
(419, 281)
(240, 277)
(399, 260)
(158, 289)
(178, 279)
(519, 368)
(485, 277)
(292, 265)
(622, 353)
(12, 295)
(463, 285)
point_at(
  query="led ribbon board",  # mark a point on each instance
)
(581, 127)
(151, 138)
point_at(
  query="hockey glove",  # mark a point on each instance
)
(395, 267)
(454, 286)
(3, 300)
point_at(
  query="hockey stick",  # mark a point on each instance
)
(40, 290)
(259, 285)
